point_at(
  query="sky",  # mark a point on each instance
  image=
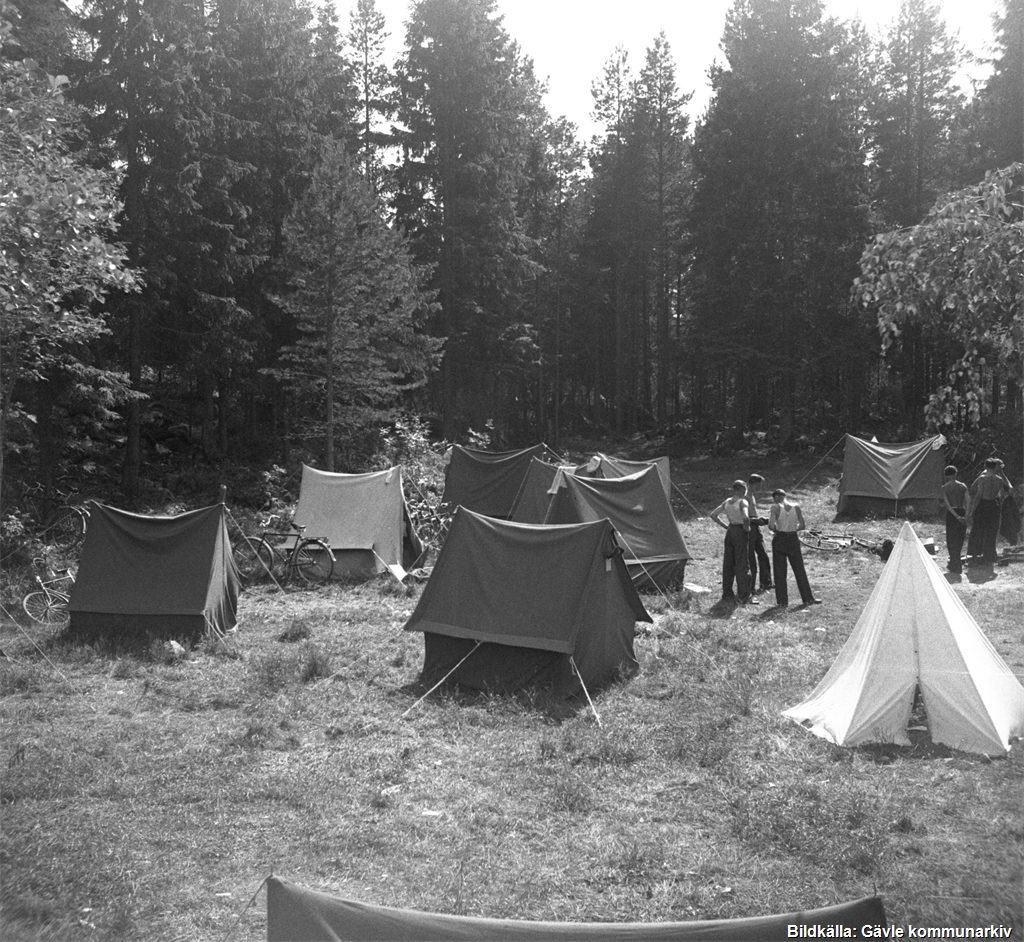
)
(570, 40)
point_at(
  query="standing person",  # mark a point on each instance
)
(954, 496)
(785, 520)
(986, 497)
(735, 559)
(757, 556)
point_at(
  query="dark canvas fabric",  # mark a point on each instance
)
(297, 914)
(639, 510)
(607, 466)
(887, 478)
(535, 494)
(166, 575)
(363, 517)
(487, 482)
(557, 589)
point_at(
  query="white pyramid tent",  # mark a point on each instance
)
(915, 632)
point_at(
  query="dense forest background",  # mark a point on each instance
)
(235, 235)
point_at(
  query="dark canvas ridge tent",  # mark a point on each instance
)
(915, 634)
(531, 504)
(166, 575)
(636, 505)
(363, 517)
(607, 466)
(528, 604)
(887, 479)
(487, 482)
(298, 914)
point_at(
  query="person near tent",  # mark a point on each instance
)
(735, 557)
(954, 496)
(757, 557)
(986, 498)
(786, 520)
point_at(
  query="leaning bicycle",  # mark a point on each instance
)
(61, 522)
(48, 605)
(286, 553)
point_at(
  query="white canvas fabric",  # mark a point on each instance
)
(915, 631)
(363, 513)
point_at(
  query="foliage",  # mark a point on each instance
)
(360, 304)
(469, 102)
(959, 274)
(58, 260)
(778, 221)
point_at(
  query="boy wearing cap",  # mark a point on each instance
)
(983, 510)
(735, 561)
(785, 520)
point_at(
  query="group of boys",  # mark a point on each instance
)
(745, 559)
(977, 508)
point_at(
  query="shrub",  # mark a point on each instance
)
(313, 664)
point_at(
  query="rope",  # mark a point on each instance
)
(697, 510)
(441, 681)
(32, 640)
(252, 900)
(252, 546)
(820, 460)
(579, 677)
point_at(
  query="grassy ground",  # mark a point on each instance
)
(143, 798)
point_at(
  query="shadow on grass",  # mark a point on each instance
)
(980, 572)
(723, 608)
(546, 701)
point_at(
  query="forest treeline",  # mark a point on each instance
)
(234, 229)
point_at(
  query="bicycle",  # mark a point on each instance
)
(48, 604)
(829, 542)
(302, 558)
(62, 523)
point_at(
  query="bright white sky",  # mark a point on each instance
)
(570, 40)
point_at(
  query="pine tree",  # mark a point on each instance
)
(374, 86)
(915, 108)
(360, 304)
(778, 221)
(465, 99)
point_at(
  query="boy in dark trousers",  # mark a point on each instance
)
(954, 496)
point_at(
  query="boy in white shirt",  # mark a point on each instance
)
(735, 558)
(785, 520)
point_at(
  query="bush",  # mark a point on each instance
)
(313, 664)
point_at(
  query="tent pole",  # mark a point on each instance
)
(441, 681)
(586, 692)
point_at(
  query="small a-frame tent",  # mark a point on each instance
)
(487, 482)
(887, 479)
(636, 505)
(364, 518)
(607, 466)
(513, 604)
(531, 504)
(915, 633)
(298, 914)
(140, 575)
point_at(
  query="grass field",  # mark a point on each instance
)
(147, 799)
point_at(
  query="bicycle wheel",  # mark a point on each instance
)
(828, 542)
(254, 559)
(66, 528)
(313, 562)
(46, 609)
